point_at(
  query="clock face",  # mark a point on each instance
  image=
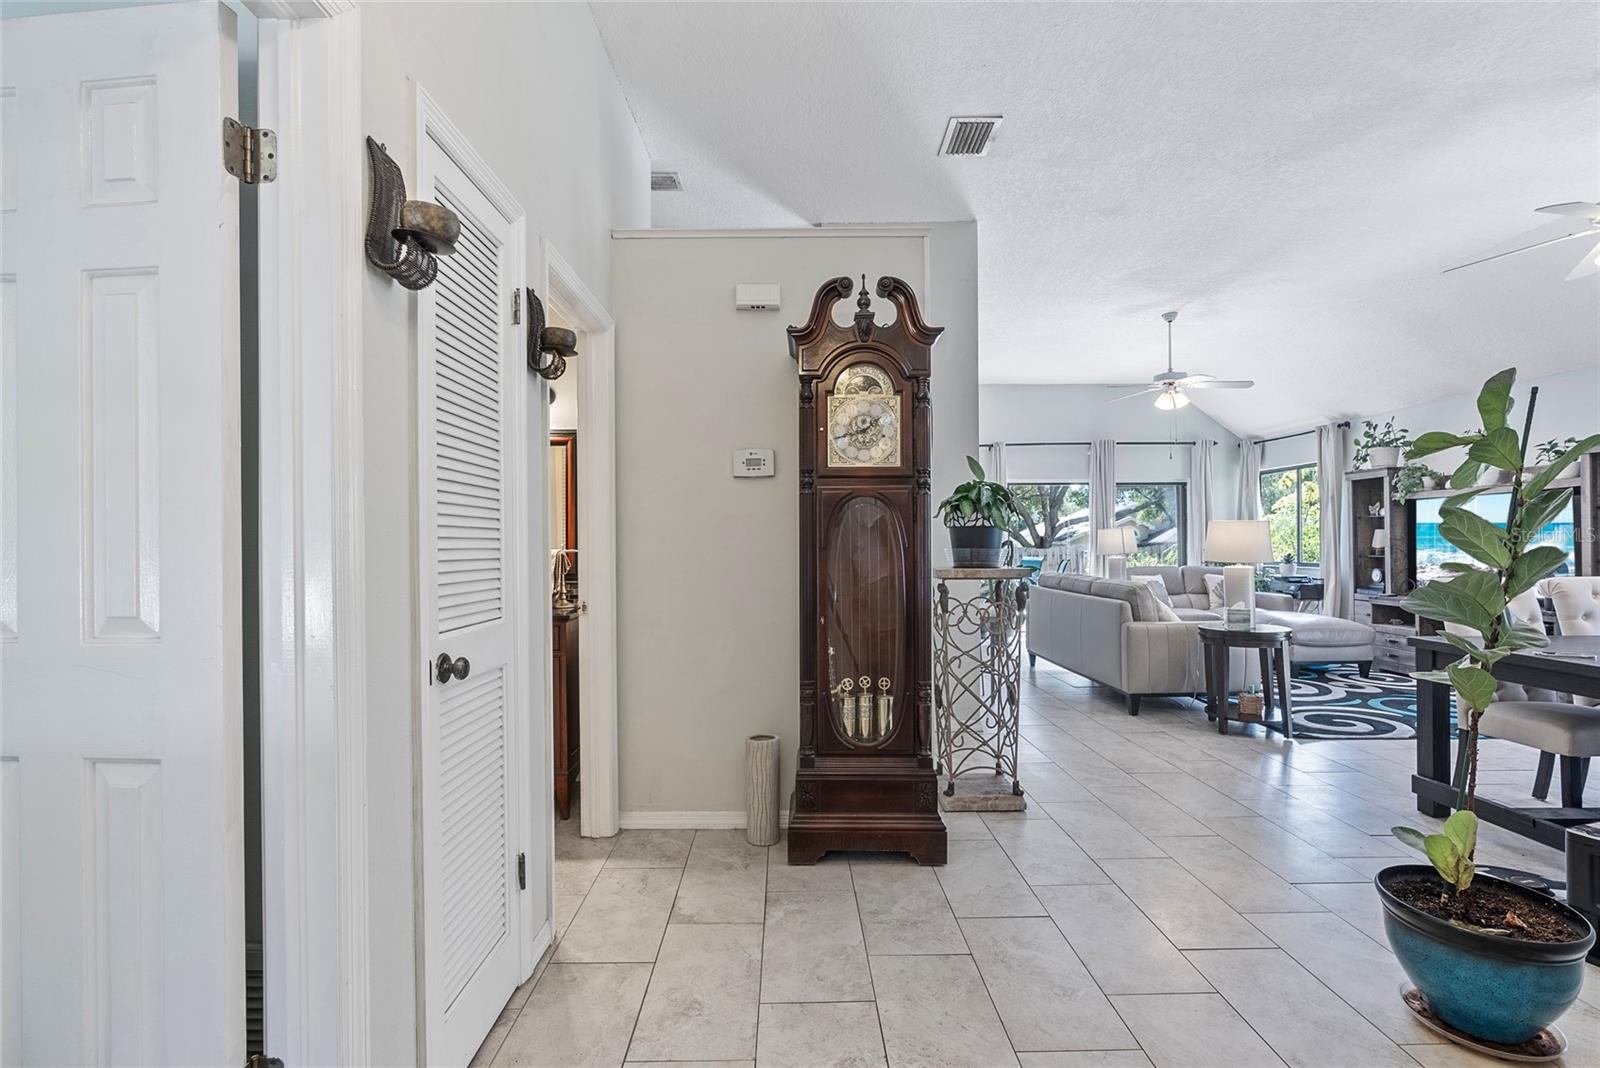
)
(863, 420)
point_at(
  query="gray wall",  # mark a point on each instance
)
(707, 564)
(1020, 413)
(532, 89)
(1569, 406)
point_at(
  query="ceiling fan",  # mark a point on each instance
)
(1578, 219)
(1169, 386)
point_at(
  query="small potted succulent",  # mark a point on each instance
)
(977, 513)
(1380, 446)
(1286, 566)
(1493, 960)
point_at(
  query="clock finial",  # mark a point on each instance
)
(864, 323)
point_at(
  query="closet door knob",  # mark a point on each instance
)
(445, 669)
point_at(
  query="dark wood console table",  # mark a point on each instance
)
(1431, 783)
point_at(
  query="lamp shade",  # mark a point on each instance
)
(1380, 538)
(1238, 541)
(1116, 541)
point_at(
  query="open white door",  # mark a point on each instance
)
(470, 543)
(121, 805)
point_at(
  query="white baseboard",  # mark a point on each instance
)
(652, 820)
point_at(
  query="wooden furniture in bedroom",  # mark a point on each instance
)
(564, 616)
(865, 775)
(564, 705)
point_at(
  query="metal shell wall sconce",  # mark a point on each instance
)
(405, 237)
(549, 347)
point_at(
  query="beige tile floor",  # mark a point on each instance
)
(1171, 898)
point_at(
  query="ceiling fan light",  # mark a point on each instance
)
(1170, 400)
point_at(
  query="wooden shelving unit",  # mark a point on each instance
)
(1378, 600)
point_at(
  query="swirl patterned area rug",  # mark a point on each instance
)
(1334, 701)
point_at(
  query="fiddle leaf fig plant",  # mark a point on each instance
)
(1449, 852)
(978, 502)
(1477, 596)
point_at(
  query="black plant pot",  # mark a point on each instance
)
(975, 546)
(1486, 985)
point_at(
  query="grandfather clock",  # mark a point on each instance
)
(865, 775)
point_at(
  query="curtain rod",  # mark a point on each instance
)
(1297, 434)
(1085, 444)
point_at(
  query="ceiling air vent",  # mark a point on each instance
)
(665, 182)
(968, 135)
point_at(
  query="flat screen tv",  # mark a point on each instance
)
(1432, 549)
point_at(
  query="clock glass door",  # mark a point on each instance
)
(863, 619)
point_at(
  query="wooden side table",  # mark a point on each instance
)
(1272, 641)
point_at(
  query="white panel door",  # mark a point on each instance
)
(472, 719)
(121, 857)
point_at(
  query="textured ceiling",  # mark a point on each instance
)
(1291, 176)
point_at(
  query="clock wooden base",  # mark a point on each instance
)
(887, 808)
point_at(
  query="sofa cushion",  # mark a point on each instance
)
(1140, 598)
(1158, 586)
(1197, 615)
(1315, 630)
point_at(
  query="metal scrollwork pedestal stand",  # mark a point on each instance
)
(977, 684)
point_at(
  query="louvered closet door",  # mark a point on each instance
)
(468, 371)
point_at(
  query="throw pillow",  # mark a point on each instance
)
(1166, 613)
(1158, 586)
(1214, 593)
(1141, 598)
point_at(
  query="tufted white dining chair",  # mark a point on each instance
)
(1542, 719)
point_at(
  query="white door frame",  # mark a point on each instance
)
(598, 799)
(313, 584)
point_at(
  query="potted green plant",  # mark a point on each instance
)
(1380, 446)
(1286, 566)
(1494, 961)
(1413, 478)
(977, 514)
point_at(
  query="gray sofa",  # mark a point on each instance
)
(1115, 633)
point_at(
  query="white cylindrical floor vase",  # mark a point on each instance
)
(761, 789)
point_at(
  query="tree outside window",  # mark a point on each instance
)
(1291, 506)
(1156, 511)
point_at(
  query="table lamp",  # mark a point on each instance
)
(1240, 544)
(1115, 543)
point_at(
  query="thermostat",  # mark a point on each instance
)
(756, 296)
(752, 463)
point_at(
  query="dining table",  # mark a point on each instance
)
(1569, 664)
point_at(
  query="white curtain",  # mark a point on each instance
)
(1199, 498)
(1332, 459)
(1250, 480)
(1102, 494)
(996, 467)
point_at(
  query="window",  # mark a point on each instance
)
(1290, 505)
(1156, 511)
(1054, 515)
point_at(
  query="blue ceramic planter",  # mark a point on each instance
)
(1491, 987)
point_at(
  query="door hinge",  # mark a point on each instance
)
(516, 306)
(522, 871)
(248, 153)
(261, 1060)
